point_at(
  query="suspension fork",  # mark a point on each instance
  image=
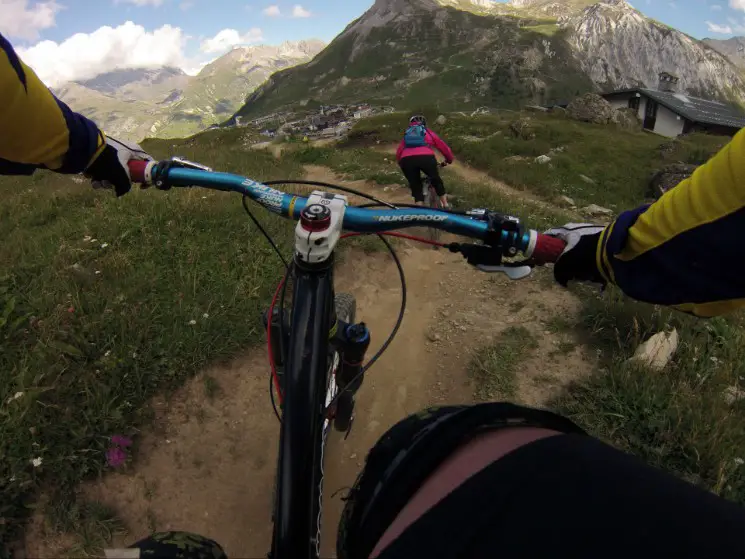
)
(352, 341)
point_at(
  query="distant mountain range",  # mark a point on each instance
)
(165, 102)
(456, 54)
(448, 54)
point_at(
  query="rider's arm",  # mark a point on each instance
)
(37, 129)
(442, 147)
(686, 249)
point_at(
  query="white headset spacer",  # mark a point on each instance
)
(149, 172)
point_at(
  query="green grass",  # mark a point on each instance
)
(676, 419)
(93, 523)
(494, 367)
(105, 302)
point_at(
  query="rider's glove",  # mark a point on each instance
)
(579, 259)
(109, 169)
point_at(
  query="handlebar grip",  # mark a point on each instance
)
(139, 171)
(548, 249)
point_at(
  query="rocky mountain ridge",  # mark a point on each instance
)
(733, 48)
(620, 47)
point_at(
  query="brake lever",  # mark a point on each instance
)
(516, 272)
(487, 259)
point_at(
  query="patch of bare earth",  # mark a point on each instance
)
(208, 465)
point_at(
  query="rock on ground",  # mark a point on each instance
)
(594, 209)
(668, 177)
(586, 179)
(657, 351)
(732, 394)
(567, 200)
(542, 159)
(627, 119)
(591, 107)
(523, 129)
(441, 120)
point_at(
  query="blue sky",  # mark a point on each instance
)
(75, 39)
(208, 17)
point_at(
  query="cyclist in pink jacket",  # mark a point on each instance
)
(416, 155)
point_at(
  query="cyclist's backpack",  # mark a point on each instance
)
(416, 136)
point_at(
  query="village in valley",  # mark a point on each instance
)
(329, 121)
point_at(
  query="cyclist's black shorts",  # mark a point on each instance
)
(567, 495)
(413, 166)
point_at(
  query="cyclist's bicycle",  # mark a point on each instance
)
(316, 350)
(432, 200)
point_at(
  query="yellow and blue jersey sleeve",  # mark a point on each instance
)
(37, 130)
(686, 250)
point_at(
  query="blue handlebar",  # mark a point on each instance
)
(362, 220)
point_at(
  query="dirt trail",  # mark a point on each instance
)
(208, 466)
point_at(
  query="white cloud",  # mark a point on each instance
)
(299, 11)
(84, 55)
(721, 29)
(196, 67)
(737, 5)
(715, 7)
(228, 38)
(272, 11)
(22, 21)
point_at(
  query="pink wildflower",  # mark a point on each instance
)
(116, 457)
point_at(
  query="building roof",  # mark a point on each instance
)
(694, 108)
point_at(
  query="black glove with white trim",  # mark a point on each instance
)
(578, 262)
(109, 170)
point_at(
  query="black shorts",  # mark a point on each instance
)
(413, 166)
(568, 496)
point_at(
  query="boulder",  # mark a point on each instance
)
(591, 107)
(594, 209)
(657, 351)
(668, 177)
(441, 120)
(627, 119)
(523, 129)
(542, 159)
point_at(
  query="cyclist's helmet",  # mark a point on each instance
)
(418, 119)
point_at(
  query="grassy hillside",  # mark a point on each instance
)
(448, 58)
(619, 162)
